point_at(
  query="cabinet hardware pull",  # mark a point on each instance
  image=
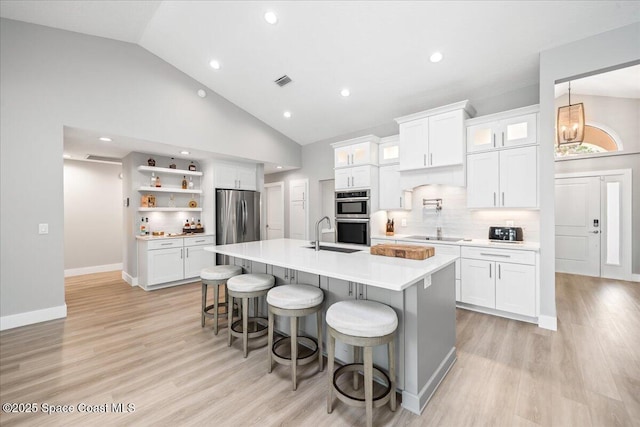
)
(503, 138)
(500, 255)
(494, 198)
(199, 241)
(425, 160)
(400, 201)
(494, 139)
(499, 272)
(503, 198)
(187, 252)
(431, 159)
(490, 270)
(166, 244)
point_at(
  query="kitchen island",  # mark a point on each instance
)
(421, 292)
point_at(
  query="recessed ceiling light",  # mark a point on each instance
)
(202, 93)
(214, 64)
(278, 167)
(436, 57)
(66, 156)
(271, 18)
(105, 139)
(345, 92)
(185, 152)
(287, 114)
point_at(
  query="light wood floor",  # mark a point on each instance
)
(122, 344)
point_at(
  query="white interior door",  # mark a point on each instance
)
(578, 225)
(298, 209)
(275, 210)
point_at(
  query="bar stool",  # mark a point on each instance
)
(294, 301)
(216, 276)
(363, 324)
(247, 286)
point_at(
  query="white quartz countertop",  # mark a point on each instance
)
(528, 246)
(394, 274)
(174, 236)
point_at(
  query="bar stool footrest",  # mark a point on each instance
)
(256, 327)
(358, 401)
(308, 342)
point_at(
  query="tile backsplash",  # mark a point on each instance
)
(455, 218)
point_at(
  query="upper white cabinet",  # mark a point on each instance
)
(357, 151)
(237, 176)
(356, 177)
(434, 138)
(503, 130)
(389, 150)
(505, 178)
(391, 195)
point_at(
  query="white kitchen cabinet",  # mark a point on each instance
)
(446, 139)
(503, 130)
(499, 279)
(174, 261)
(389, 150)
(414, 141)
(392, 197)
(356, 177)
(505, 178)
(357, 151)
(235, 176)
(433, 138)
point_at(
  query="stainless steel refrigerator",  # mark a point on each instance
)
(237, 217)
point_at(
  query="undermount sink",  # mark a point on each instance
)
(435, 239)
(335, 249)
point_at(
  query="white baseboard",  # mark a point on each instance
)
(548, 322)
(31, 317)
(635, 277)
(93, 269)
(133, 281)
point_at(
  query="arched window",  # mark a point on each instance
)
(598, 138)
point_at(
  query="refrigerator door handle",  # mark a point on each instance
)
(244, 217)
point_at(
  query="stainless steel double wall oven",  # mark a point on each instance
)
(353, 210)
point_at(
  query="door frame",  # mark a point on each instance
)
(627, 212)
(266, 208)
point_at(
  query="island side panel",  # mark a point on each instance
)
(430, 337)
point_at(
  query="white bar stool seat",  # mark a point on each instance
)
(295, 301)
(364, 324)
(215, 277)
(243, 287)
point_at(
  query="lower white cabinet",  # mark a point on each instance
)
(169, 262)
(499, 279)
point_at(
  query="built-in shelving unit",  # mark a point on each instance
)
(169, 209)
(168, 171)
(169, 190)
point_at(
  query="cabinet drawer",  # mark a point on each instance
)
(500, 255)
(165, 243)
(202, 240)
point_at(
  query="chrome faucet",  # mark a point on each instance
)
(318, 230)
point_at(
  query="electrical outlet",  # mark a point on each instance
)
(403, 222)
(43, 228)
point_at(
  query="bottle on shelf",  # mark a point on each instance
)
(143, 227)
(158, 184)
(191, 183)
(193, 224)
(198, 225)
(173, 164)
(153, 179)
(184, 182)
(186, 225)
(192, 167)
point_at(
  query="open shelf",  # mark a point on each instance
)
(168, 171)
(169, 209)
(169, 190)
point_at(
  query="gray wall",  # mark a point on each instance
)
(92, 207)
(599, 52)
(51, 78)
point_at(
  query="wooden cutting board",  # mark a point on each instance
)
(403, 251)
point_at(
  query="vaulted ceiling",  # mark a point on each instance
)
(379, 50)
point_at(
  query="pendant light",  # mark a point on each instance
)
(570, 123)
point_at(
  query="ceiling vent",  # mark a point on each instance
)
(103, 159)
(284, 80)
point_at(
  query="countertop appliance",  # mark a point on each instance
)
(237, 217)
(506, 234)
